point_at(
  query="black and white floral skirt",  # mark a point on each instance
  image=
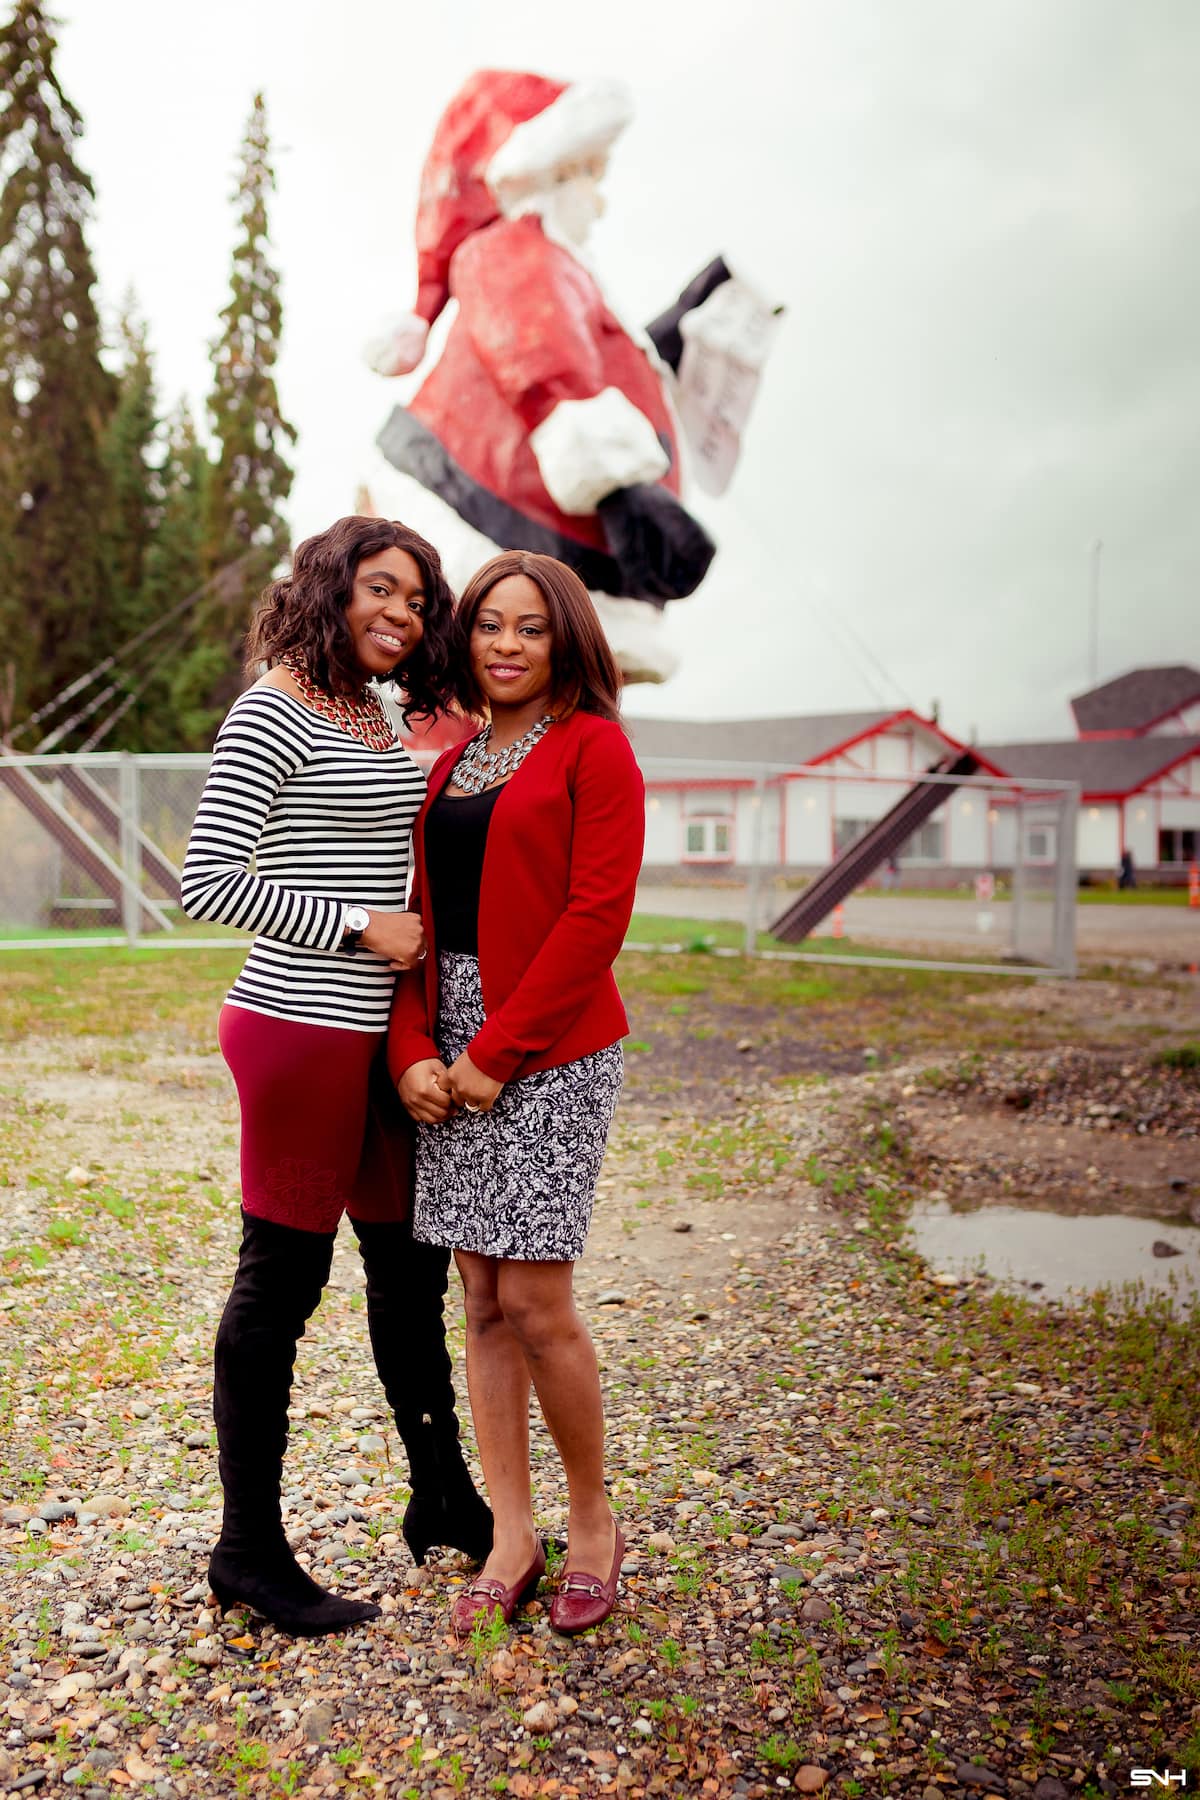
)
(518, 1181)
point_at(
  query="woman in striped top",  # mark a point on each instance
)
(309, 783)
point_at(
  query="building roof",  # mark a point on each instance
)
(791, 742)
(1103, 767)
(1136, 701)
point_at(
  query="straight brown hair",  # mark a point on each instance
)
(583, 668)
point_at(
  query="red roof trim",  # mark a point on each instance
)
(1137, 731)
(1093, 796)
(1157, 774)
(707, 781)
(905, 716)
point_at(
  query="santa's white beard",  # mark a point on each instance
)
(635, 630)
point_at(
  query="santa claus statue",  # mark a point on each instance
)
(543, 422)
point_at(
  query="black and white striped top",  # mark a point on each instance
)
(327, 823)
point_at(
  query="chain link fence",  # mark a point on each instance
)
(93, 846)
(986, 876)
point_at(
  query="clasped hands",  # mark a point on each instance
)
(432, 1093)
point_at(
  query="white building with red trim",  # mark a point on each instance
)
(1137, 762)
(793, 792)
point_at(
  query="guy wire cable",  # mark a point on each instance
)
(114, 688)
(110, 661)
(131, 694)
(831, 622)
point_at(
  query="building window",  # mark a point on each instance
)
(1178, 845)
(1041, 843)
(925, 845)
(848, 831)
(708, 840)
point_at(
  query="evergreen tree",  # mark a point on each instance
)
(251, 478)
(131, 451)
(177, 713)
(55, 395)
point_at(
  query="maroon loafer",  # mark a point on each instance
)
(583, 1600)
(485, 1596)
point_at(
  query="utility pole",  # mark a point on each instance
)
(1094, 617)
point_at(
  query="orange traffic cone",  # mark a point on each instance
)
(1194, 886)
(839, 921)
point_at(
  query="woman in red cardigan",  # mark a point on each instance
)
(506, 1048)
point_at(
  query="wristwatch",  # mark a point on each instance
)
(357, 920)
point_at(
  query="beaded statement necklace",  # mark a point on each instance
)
(361, 715)
(478, 767)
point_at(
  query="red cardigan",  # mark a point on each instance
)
(563, 853)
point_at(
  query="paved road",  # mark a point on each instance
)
(1157, 933)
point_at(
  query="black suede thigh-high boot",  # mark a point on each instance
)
(406, 1286)
(281, 1275)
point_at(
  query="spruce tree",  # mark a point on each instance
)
(178, 714)
(55, 395)
(251, 478)
(131, 452)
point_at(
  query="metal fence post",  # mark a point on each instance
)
(758, 805)
(131, 893)
(1066, 887)
(1016, 946)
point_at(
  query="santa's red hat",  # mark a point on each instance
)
(503, 133)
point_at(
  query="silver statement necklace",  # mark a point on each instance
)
(478, 767)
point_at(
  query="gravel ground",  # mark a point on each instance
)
(888, 1534)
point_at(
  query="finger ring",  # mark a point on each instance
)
(421, 957)
(467, 1107)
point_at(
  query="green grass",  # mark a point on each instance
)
(116, 993)
(703, 937)
(88, 927)
(1143, 896)
(138, 999)
(1086, 896)
(696, 935)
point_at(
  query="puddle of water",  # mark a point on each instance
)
(1069, 1256)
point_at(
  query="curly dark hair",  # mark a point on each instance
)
(584, 671)
(305, 613)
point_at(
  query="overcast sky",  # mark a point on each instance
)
(983, 221)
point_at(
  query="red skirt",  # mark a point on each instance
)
(323, 1131)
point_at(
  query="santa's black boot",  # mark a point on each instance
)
(406, 1287)
(281, 1275)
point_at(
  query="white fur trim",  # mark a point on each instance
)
(398, 346)
(636, 632)
(582, 122)
(637, 637)
(395, 495)
(589, 448)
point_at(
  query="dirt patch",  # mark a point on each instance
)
(710, 1041)
(722, 1049)
(1096, 1005)
(983, 1157)
(1075, 1130)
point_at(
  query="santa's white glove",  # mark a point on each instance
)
(398, 346)
(586, 449)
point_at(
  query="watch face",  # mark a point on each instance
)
(357, 918)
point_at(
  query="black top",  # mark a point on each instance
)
(456, 830)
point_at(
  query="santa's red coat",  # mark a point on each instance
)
(532, 330)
